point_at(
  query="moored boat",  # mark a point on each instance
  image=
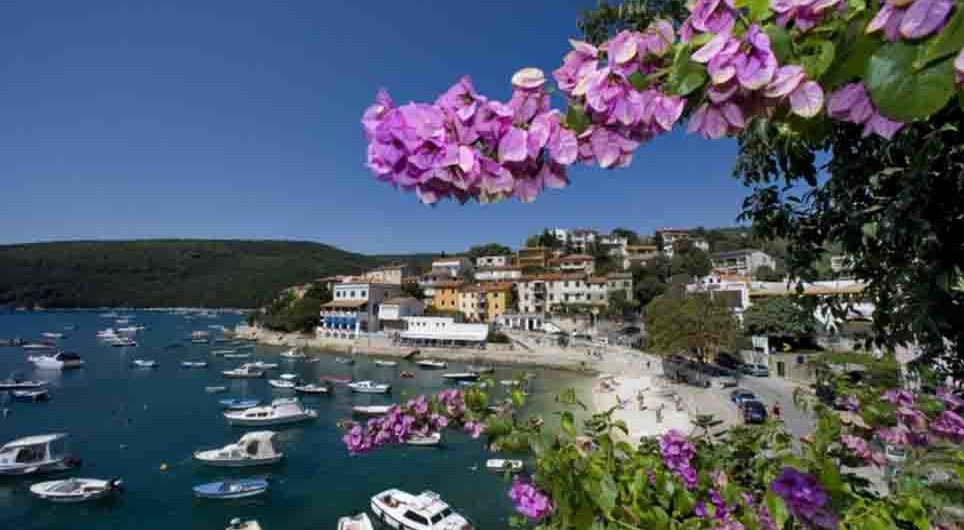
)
(218, 353)
(253, 449)
(369, 387)
(38, 394)
(279, 412)
(74, 490)
(243, 372)
(242, 355)
(215, 389)
(16, 382)
(144, 363)
(501, 465)
(371, 410)
(34, 346)
(312, 388)
(396, 508)
(231, 489)
(282, 384)
(344, 360)
(261, 365)
(379, 362)
(122, 342)
(239, 404)
(355, 522)
(57, 361)
(194, 364)
(481, 369)
(432, 364)
(238, 524)
(424, 440)
(292, 354)
(407, 375)
(52, 335)
(461, 376)
(43, 453)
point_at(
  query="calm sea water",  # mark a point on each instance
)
(126, 422)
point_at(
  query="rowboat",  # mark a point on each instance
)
(74, 490)
(311, 388)
(231, 489)
(144, 363)
(194, 364)
(239, 404)
(31, 395)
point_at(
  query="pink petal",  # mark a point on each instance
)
(564, 148)
(554, 178)
(466, 158)
(785, 80)
(880, 19)
(734, 115)
(711, 48)
(807, 100)
(604, 148)
(583, 47)
(512, 146)
(924, 17)
(882, 126)
(622, 47)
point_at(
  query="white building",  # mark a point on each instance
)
(354, 307)
(620, 281)
(455, 265)
(574, 263)
(388, 274)
(498, 274)
(638, 255)
(393, 310)
(614, 245)
(745, 261)
(488, 262)
(522, 321)
(548, 292)
(561, 234)
(442, 331)
(582, 239)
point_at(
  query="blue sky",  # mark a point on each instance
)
(239, 119)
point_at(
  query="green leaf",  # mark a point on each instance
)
(603, 493)
(855, 6)
(948, 42)
(640, 81)
(576, 119)
(780, 41)
(816, 57)
(685, 75)
(757, 9)
(851, 61)
(567, 422)
(777, 509)
(518, 398)
(903, 92)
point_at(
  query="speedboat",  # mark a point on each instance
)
(215, 389)
(58, 361)
(431, 363)
(462, 376)
(108, 333)
(371, 410)
(243, 355)
(15, 382)
(369, 387)
(253, 449)
(424, 440)
(500, 465)
(131, 330)
(31, 395)
(44, 453)
(283, 384)
(122, 342)
(238, 524)
(38, 346)
(243, 372)
(194, 364)
(293, 354)
(218, 353)
(344, 360)
(239, 404)
(355, 522)
(379, 362)
(312, 388)
(52, 335)
(144, 363)
(74, 490)
(261, 365)
(232, 489)
(425, 511)
(481, 369)
(279, 412)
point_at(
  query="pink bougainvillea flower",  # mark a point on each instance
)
(851, 103)
(959, 66)
(709, 16)
(577, 64)
(912, 19)
(803, 14)
(806, 97)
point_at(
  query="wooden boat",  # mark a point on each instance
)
(231, 489)
(45, 453)
(371, 410)
(379, 362)
(425, 441)
(461, 376)
(432, 364)
(194, 364)
(74, 490)
(312, 388)
(38, 394)
(369, 387)
(396, 508)
(239, 404)
(355, 522)
(253, 449)
(500, 465)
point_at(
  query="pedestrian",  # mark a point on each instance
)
(777, 410)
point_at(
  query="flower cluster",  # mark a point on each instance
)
(804, 14)
(418, 417)
(677, 452)
(910, 19)
(951, 400)
(805, 498)
(529, 500)
(851, 103)
(709, 16)
(949, 425)
(465, 145)
(861, 449)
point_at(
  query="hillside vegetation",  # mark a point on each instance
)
(164, 273)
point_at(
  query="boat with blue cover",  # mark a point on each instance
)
(239, 404)
(232, 489)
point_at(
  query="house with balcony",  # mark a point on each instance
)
(495, 274)
(392, 274)
(745, 261)
(532, 257)
(582, 239)
(573, 263)
(392, 312)
(433, 331)
(489, 262)
(620, 281)
(354, 308)
(457, 266)
(485, 302)
(446, 295)
(639, 255)
(614, 245)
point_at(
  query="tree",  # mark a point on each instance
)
(694, 324)
(690, 261)
(489, 249)
(780, 317)
(620, 306)
(651, 279)
(632, 238)
(545, 239)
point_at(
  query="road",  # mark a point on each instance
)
(772, 390)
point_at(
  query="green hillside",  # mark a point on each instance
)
(159, 273)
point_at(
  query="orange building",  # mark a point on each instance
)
(446, 297)
(485, 302)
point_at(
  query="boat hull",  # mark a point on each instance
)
(244, 462)
(53, 466)
(267, 422)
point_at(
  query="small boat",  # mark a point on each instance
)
(215, 389)
(261, 365)
(379, 362)
(279, 412)
(44, 453)
(425, 441)
(407, 374)
(122, 321)
(461, 376)
(396, 508)
(218, 353)
(336, 379)
(58, 361)
(38, 346)
(510, 382)
(293, 354)
(239, 404)
(312, 388)
(355, 522)
(144, 363)
(431, 363)
(131, 330)
(31, 395)
(194, 364)
(253, 449)
(481, 369)
(369, 387)
(287, 376)
(122, 342)
(108, 315)
(16, 382)
(52, 335)
(501, 466)
(74, 490)
(282, 384)
(243, 372)
(344, 360)
(237, 355)
(238, 524)
(232, 489)
(483, 384)
(371, 410)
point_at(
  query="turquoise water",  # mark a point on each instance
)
(126, 422)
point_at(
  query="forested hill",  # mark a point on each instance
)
(167, 273)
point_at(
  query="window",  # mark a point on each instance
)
(364, 294)
(353, 294)
(412, 516)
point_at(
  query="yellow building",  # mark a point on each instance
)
(485, 302)
(446, 297)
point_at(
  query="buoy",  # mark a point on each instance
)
(163, 466)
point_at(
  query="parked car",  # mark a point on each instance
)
(740, 395)
(756, 370)
(726, 381)
(754, 411)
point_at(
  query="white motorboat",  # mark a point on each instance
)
(355, 522)
(238, 524)
(44, 453)
(500, 465)
(242, 355)
(37, 394)
(396, 508)
(16, 382)
(261, 365)
(57, 361)
(130, 330)
(312, 388)
(282, 384)
(280, 412)
(243, 372)
(52, 335)
(431, 363)
(253, 449)
(369, 387)
(108, 333)
(371, 410)
(293, 354)
(379, 362)
(462, 376)
(427, 440)
(194, 364)
(74, 490)
(122, 342)
(36, 346)
(144, 363)
(218, 353)
(481, 369)
(215, 389)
